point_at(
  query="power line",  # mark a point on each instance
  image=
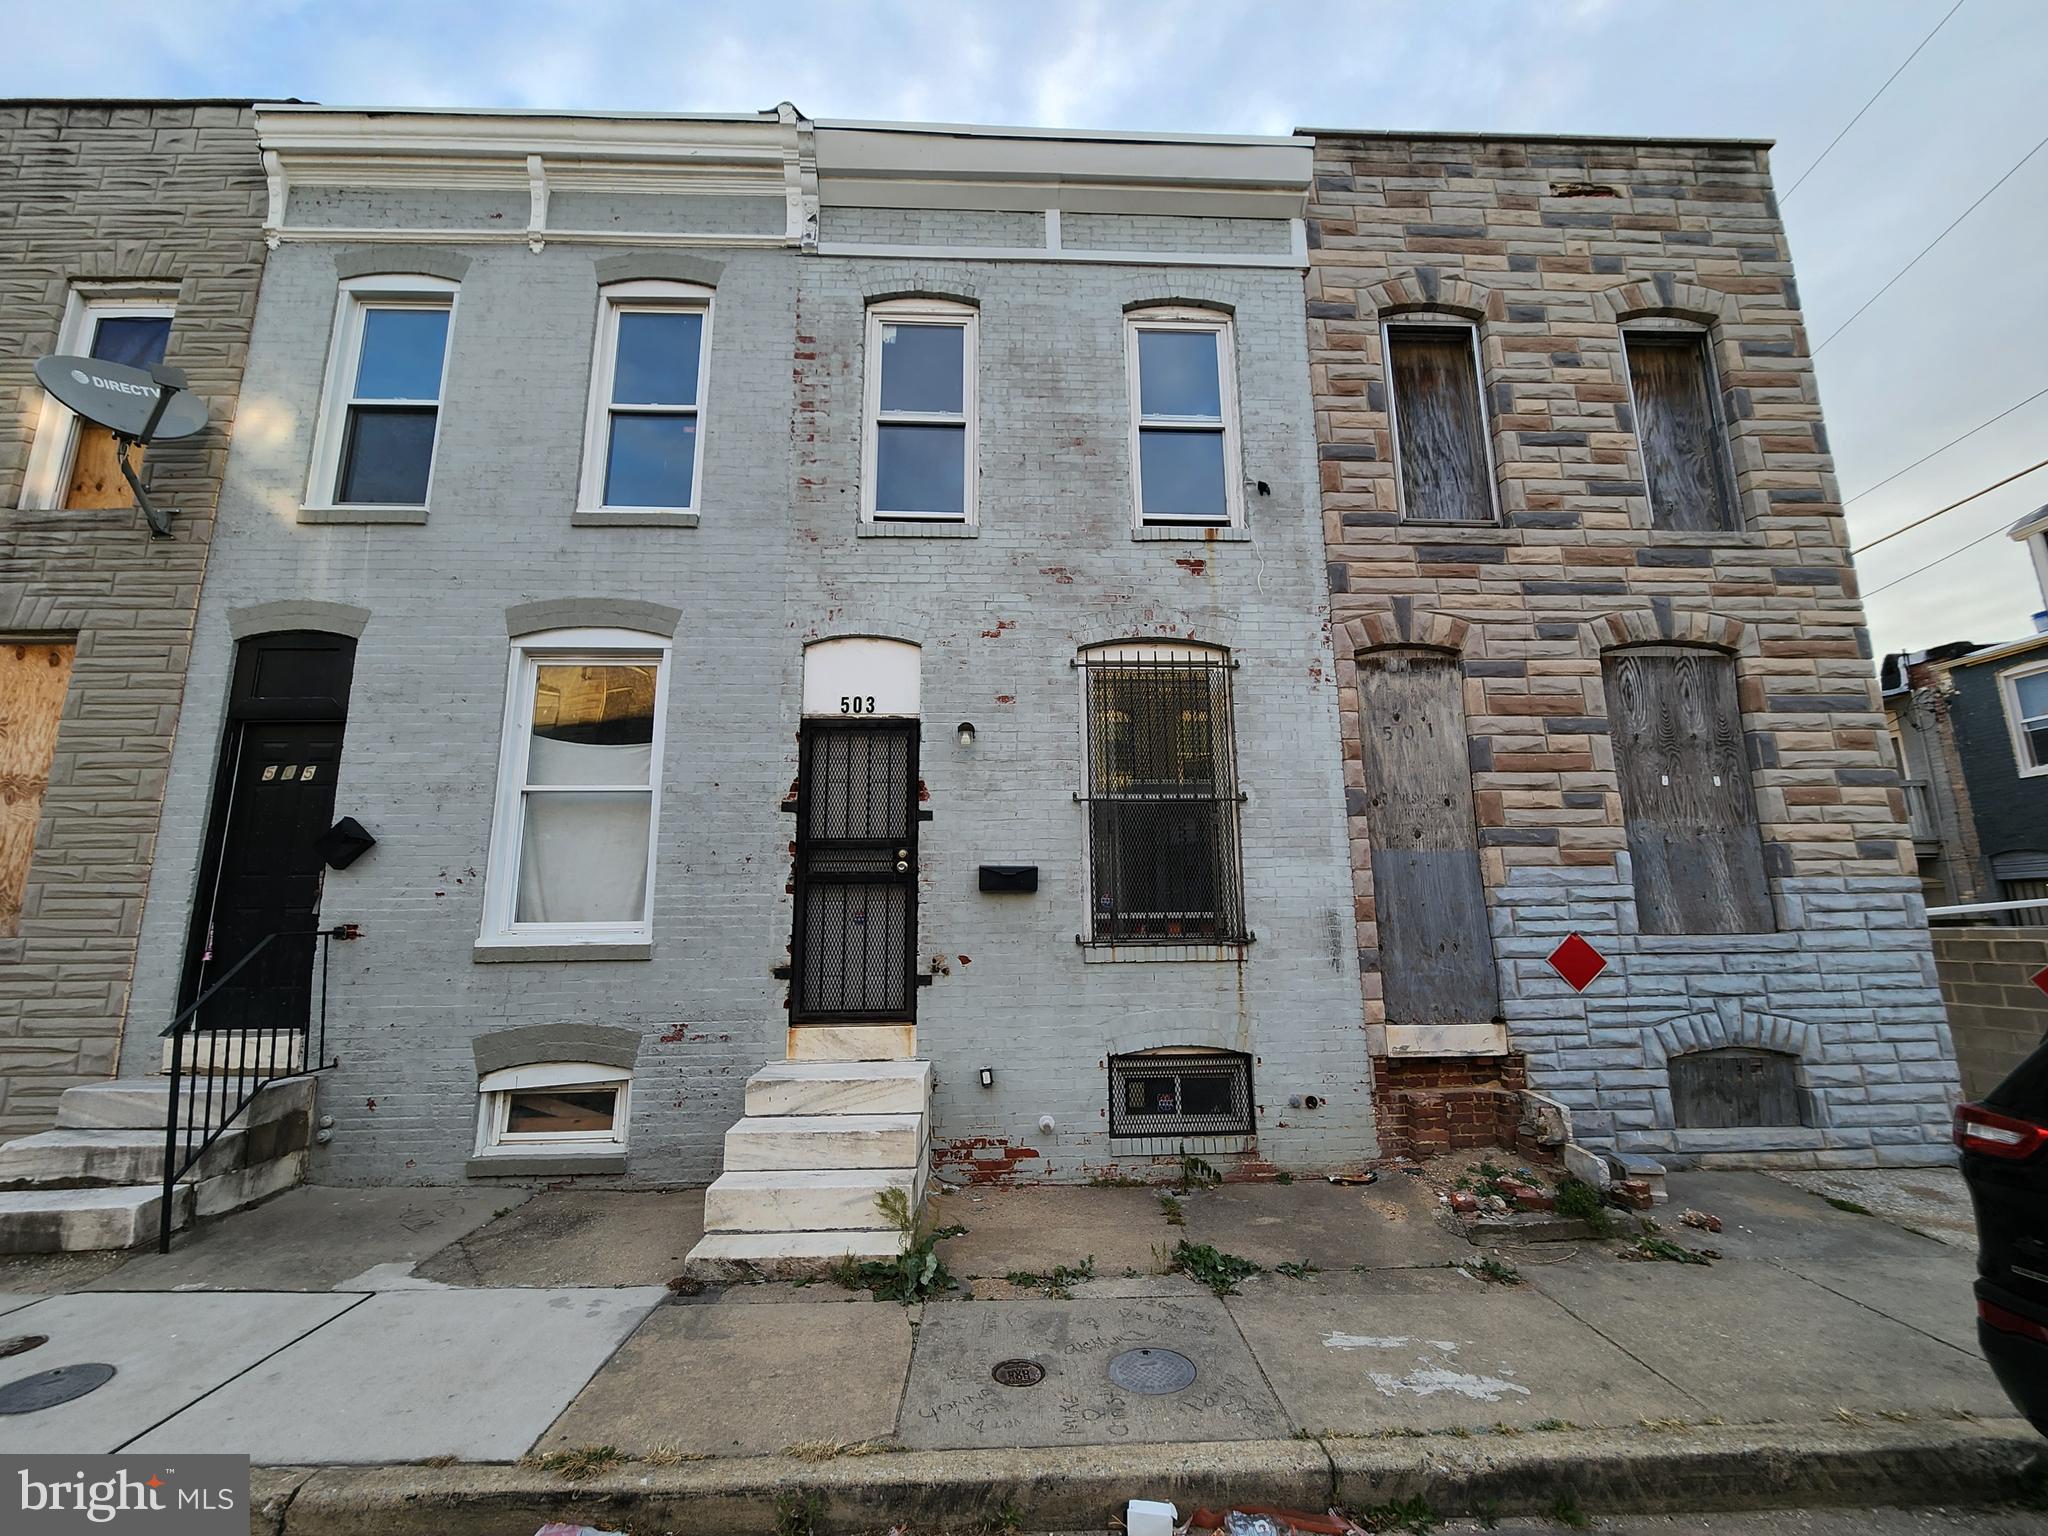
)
(1944, 448)
(1868, 105)
(1930, 565)
(1909, 266)
(1938, 511)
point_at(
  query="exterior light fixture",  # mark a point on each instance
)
(988, 1077)
(964, 733)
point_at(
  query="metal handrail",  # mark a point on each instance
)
(247, 1080)
(1984, 908)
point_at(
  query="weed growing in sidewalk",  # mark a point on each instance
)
(1114, 1181)
(669, 1454)
(1851, 1206)
(1195, 1173)
(1487, 1513)
(915, 1274)
(1218, 1271)
(1491, 1270)
(1651, 1247)
(1565, 1511)
(1058, 1286)
(1483, 1179)
(578, 1465)
(1283, 1177)
(1409, 1514)
(796, 1512)
(832, 1450)
(1176, 1216)
(1294, 1271)
(1548, 1425)
(1582, 1202)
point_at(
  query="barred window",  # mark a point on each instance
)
(1162, 797)
(1180, 1093)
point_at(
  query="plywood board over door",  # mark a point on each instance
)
(34, 675)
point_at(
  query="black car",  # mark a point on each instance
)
(2004, 1141)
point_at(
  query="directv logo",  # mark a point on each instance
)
(148, 391)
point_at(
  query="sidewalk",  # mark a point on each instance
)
(1825, 1354)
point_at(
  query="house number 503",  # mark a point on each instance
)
(855, 704)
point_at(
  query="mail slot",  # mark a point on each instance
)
(1009, 877)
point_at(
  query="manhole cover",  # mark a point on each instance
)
(22, 1343)
(1018, 1373)
(46, 1389)
(1152, 1372)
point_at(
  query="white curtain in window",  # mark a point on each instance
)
(583, 853)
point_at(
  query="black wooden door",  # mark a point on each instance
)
(853, 952)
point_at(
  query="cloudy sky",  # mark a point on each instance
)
(1961, 338)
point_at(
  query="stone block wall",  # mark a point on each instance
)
(168, 195)
(1998, 1015)
(1549, 247)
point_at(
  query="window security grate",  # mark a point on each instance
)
(1162, 800)
(1181, 1093)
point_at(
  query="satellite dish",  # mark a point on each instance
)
(138, 405)
(123, 398)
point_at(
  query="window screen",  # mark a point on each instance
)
(1180, 1093)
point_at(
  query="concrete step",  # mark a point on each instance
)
(743, 1255)
(840, 1088)
(72, 1158)
(813, 1200)
(74, 1220)
(824, 1141)
(136, 1102)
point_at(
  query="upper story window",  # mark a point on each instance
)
(375, 442)
(918, 449)
(1678, 423)
(1183, 388)
(73, 463)
(2025, 691)
(579, 780)
(1162, 797)
(1441, 442)
(641, 448)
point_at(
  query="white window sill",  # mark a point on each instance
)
(404, 516)
(1176, 1146)
(631, 517)
(1197, 533)
(524, 1162)
(910, 529)
(1095, 953)
(543, 952)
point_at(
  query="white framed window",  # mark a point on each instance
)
(72, 463)
(556, 1106)
(1183, 391)
(579, 787)
(380, 416)
(2025, 691)
(642, 448)
(1443, 448)
(919, 459)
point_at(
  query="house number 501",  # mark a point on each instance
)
(855, 704)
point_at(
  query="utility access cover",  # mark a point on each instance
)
(1018, 1373)
(46, 1389)
(1152, 1372)
(22, 1343)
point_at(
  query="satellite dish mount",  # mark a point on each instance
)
(139, 406)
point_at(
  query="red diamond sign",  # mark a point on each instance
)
(1580, 964)
(2040, 978)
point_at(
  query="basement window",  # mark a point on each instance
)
(1439, 416)
(1678, 424)
(570, 1106)
(1180, 1092)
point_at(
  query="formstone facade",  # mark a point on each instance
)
(1550, 248)
(162, 200)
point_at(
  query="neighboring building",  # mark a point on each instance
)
(1918, 713)
(975, 644)
(1603, 662)
(133, 233)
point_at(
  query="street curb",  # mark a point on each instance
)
(1604, 1472)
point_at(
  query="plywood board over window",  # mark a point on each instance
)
(1440, 424)
(33, 678)
(1685, 791)
(1684, 452)
(1436, 953)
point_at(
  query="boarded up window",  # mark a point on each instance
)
(33, 678)
(1436, 955)
(1685, 792)
(1439, 424)
(1723, 1089)
(1680, 431)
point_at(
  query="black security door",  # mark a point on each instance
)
(273, 798)
(854, 950)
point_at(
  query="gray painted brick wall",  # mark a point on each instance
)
(171, 194)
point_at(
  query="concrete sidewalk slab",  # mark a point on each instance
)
(1430, 1349)
(1038, 1227)
(1930, 1200)
(952, 1400)
(1752, 1341)
(410, 1374)
(1931, 1292)
(12, 1303)
(745, 1381)
(578, 1237)
(1765, 1218)
(1389, 1224)
(314, 1238)
(166, 1352)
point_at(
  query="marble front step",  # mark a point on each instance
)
(127, 1156)
(74, 1220)
(806, 1200)
(135, 1102)
(825, 1141)
(789, 1255)
(840, 1088)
